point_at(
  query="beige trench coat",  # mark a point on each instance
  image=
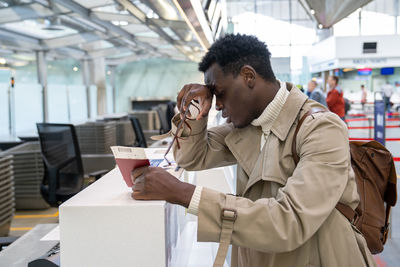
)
(286, 214)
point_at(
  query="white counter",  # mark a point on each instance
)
(104, 226)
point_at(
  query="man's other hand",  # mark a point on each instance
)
(154, 183)
(201, 93)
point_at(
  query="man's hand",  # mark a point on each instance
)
(197, 92)
(153, 183)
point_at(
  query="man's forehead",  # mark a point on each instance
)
(212, 73)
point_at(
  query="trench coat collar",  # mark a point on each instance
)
(244, 143)
(289, 112)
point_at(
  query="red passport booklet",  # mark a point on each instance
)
(128, 159)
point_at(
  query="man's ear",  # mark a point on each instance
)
(249, 75)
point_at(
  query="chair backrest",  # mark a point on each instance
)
(162, 114)
(170, 112)
(62, 159)
(140, 138)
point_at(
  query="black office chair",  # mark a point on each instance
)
(170, 112)
(162, 115)
(140, 138)
(63, 163)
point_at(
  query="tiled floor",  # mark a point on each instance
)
(25, 220)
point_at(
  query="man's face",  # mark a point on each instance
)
(311, 86)
(331, 82)
(233, 96)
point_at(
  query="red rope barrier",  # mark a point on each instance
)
(357, 115)
(366, 119)
(371, 127)
(370, 139)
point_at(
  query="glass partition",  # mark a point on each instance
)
(4, 109)
(77, 103)
(28, 107)
(58, 104)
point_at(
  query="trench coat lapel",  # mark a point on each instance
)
(289, 112)
(245, 143)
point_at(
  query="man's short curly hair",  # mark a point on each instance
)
(233, 51)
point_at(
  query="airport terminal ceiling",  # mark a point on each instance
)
(119, 30)
(130, 30)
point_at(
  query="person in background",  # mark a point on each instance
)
(335, 98)
(315, 93)
(363, 96)
(387, 90)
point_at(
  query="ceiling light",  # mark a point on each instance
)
(320, 26)
(75, 68)
(3, 61)
(312, 11)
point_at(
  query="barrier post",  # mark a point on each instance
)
(379, 115)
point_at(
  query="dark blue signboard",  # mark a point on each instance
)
(379, 125)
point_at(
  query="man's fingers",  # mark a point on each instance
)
(140, 196)
(180, 96)
(138, 185)
(136, 195)
(205, 108)
(138, 172)
(188, 98)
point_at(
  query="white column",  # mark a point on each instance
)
(86, 82)
(112, 69)
(42, 79)
(98, 74)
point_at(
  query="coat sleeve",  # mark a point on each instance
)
(283, 223)
(201, 148)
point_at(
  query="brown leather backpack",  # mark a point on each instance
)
(376, 183)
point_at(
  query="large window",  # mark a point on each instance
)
(284, 39)
(373, 23)
(376, 18)
(348, 26)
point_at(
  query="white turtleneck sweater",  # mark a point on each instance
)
(271, 112)
(265, 120)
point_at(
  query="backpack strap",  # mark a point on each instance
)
(294, 150)
(348, 212)
(228, 218)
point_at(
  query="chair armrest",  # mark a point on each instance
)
(98, 174)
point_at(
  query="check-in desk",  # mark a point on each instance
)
(104, 226)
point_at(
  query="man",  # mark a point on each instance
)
(316, 93)
(363, 97)
(387, 90)
(335, 98)
(283, 214)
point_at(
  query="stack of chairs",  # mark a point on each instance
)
(28, 174)
(7, 203)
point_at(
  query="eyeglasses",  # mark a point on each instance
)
(179, 130)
